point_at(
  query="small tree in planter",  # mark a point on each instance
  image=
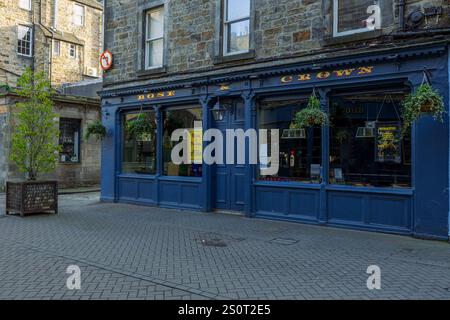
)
(96, 129)
(311, 116)
(424, 100)
(34, 147)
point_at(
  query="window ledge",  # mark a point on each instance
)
(151, 72)
(332, 41)
(378, 190)
(234, 57)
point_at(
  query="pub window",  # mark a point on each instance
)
(350, 16)
(367, 146)
(24, 40)
(69, 139)
(189, 118)
(139, 143)
(300, 157)
(236, 26)
(154, 38)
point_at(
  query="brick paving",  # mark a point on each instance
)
(133, 252)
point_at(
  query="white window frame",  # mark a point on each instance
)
(31, 40)
(149, 40)
(70, 50)
(336, 32)
(56, 52)
(225, 25)
(28, 7)
(83, 16)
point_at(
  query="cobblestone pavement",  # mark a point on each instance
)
(133, 252)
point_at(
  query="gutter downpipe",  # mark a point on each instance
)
(448, 97)
(401, 15)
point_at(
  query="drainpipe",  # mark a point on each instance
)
(401, 15)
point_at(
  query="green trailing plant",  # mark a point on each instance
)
(96, 129)
(424, 100)
(139, 126)
(35, 147)
(311, 116)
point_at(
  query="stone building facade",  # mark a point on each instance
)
(282, 31)
(256, 64)
(85, 171)
(66, 39)
(62, 38)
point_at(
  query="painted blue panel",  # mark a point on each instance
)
(180, 194)
(389, 211)
(239, 189)
(221, 189)
(128, 189)
(345, 206)
(169, 193)
(304, 203)
(147, 190)
(190, 195)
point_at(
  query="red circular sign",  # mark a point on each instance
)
(106, 60)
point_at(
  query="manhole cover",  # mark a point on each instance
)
(283, 241)
(213, 243)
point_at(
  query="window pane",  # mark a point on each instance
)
(238, 36)
(300, 150)
(139, 143)
(182, 119)
(237, 9)
(25, 4)
(155, 24)
(56, 47)
(353, 14)
(154, 53)
(69, 140)
(78, 15)
(366, 144)
(24, 40)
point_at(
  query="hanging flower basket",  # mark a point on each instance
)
(139, 127)
(96, 129)
(424, 100)
(311, 116)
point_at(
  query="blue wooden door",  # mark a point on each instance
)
(229, 179)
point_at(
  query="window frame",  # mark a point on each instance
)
(29, 6)
(336, 32)
(72, 121)
(123, 115)
(227, 23)
(70, 51)
(147, 40)
(302, 97)
(30, 28)
(83, 16)
(58, 52)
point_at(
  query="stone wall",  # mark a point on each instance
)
(283, 29)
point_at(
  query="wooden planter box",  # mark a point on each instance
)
(31, 197)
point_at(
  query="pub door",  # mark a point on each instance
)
(229, 179)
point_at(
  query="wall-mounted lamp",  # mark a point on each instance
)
(220, 109)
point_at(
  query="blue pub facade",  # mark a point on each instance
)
(346, 174)
(409, 200)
